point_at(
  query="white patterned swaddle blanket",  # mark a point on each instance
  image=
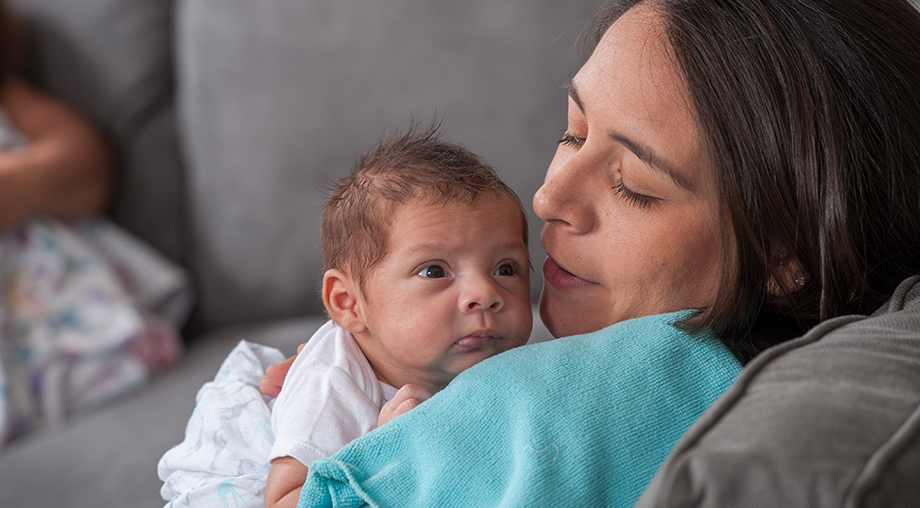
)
(223, 460)
(87, 312)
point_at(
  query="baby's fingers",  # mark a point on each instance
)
(410, 391)
(274, 376)
(407, 398)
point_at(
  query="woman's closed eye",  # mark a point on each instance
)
(433, 272)
(570, 140)
(634, 198)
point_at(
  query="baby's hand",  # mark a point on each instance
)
(408, 397)
(275, 374)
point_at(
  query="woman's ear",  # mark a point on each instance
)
(342, 298)
(789, 278)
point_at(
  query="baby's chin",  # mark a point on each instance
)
(475, 356)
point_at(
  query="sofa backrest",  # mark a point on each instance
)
(112, 59)
(277, 98)
(231, 116)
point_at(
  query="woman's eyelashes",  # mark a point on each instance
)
(634, 198)
(570, 140)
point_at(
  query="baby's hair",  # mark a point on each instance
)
(400, 167)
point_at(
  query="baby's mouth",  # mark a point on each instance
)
(477, 339)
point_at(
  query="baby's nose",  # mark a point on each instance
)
(482, 295)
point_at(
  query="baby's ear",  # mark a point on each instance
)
(342, 298)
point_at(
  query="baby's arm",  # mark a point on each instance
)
(287, 474)
(285, 481)
(66, 168)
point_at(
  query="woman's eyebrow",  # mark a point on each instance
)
(643, 152)
(572, 92)
(653, 159)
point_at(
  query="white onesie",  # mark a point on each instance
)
(329, 397)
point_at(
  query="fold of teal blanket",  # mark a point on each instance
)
(579, 421)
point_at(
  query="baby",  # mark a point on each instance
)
(426, 274)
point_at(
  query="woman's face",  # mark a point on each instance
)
(629, 202)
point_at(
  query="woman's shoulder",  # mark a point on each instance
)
(650, 350)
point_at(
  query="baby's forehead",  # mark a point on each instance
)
(496, 202)
(405, 218)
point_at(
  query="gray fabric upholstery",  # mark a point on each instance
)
(279, 98)
(230, 115)
(108, 458)
(112, 59)
(275, 99)
(829, 420)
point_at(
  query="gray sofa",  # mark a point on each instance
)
(231, 116)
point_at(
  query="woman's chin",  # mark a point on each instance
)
(565, 318)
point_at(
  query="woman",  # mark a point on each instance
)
(68, 168)
(755, 162)
(72, 333)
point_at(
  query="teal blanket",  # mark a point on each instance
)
(579, 421)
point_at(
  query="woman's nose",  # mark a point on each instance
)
(564, 198)
(481, 294)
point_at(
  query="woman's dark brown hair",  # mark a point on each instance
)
(810, 110)
(11, 42)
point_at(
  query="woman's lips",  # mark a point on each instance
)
(561, 279)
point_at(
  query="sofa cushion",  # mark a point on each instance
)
(830, 419)
(277, 99)
(108, 458)
(112, 60)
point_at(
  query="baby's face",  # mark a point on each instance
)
(453, 290)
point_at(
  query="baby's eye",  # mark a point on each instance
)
(433, 272)
(505, 270)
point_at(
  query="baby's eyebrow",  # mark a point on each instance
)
(426, 248)
(437, 248)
